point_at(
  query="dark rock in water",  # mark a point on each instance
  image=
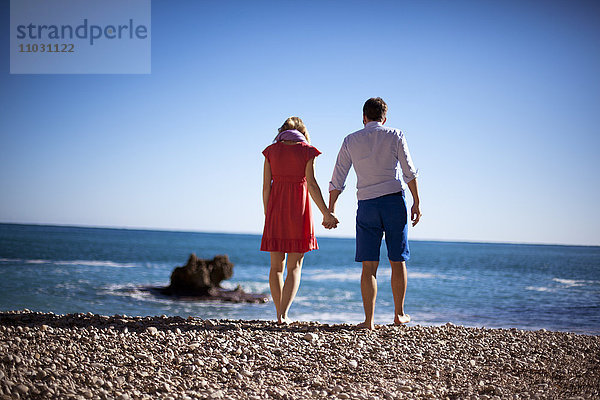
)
(199, 275)
(200, 279)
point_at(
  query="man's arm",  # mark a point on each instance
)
(340, 173)
(415, 210)
(333, 196)
(409, 172)
(409, 175)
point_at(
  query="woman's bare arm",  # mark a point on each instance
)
(329, 220)
(266, 184)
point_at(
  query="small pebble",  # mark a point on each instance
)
(21, 389)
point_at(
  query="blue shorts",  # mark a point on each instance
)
(376, 216)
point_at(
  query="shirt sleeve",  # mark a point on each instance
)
(341, 169)
(409, 172)
(312, 153)
(266, 152)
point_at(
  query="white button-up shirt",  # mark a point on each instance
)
(376, 152)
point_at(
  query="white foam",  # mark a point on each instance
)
(421, 275)
(539, 289)
(354, 275)
(83, 263)
(132, 291)
(116, 287)
(570, 282)
(329, 317)
(333, 276)
(315, 298)
(10, 260)
(228, 285)
(94, 263)
(247, 286)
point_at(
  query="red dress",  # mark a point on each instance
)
(288, 223)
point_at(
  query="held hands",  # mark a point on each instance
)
(330, 221)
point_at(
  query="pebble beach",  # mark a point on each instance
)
(87, 356)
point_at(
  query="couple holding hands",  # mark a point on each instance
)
(381, 161)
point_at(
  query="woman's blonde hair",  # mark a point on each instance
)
(297, 124)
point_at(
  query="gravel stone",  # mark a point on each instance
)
(21, 389)
(152, 330)
(87, 356)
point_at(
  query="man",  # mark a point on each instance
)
(376, 152)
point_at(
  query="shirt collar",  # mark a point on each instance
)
(371, 124)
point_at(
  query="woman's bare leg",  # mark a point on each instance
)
(276, 280)
(292, 282)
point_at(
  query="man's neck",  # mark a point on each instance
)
(373, 123)
(366, 121)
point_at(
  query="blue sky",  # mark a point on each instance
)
(499, 101)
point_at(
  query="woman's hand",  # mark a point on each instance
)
(330, 221)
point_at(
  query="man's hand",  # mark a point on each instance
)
(415, 214)
(330, 221)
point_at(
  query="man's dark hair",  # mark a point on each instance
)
(375, 109)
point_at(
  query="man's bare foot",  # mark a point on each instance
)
(284, 320)
(364, 325)
(401, 319)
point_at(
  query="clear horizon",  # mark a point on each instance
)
(498, 102)
(151, 229)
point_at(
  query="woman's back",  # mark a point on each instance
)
(289, 160)
(288, 220)
(288, 180)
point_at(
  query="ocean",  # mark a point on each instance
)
(77, 270)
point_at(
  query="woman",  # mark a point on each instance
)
(289, 176)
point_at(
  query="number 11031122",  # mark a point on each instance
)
(47, 48)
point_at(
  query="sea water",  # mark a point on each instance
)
(75, 269)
